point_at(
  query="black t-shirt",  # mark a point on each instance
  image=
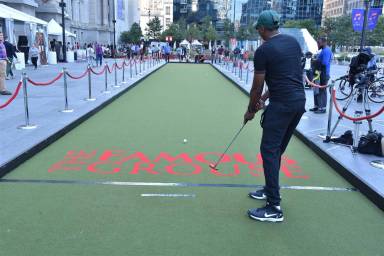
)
(280, 59)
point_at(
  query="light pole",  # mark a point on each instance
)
(114, 31)
(63, 5)
(367, 4)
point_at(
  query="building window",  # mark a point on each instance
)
(167, 22)
(167, 10)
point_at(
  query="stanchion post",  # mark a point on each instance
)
(27, 125)
(66, 109)
(123, 82)
(89, 86)
(247, 76)
(116, 85)
(106, 91)
(330, 110)
(130, 68)
(139, 67)
(135, 68)
(357, 131)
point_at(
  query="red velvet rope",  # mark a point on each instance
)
(110, 69)
(117, 66)
(353, 118)
(314, 84)
(46, 83)
(100, 72)
(78, 77)
(13, 96)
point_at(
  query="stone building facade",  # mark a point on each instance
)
(90, 20)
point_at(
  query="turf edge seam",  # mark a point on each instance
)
(370, 193)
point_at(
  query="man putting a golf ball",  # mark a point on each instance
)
(277, 62)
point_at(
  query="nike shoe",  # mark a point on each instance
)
(258, 194)
(269, 213)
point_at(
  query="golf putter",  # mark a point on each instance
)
(214, 166)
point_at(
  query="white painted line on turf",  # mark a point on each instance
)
(168, 195)
(166, 184)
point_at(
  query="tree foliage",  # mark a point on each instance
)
(228, 31)
(194, 32)
(154, 28)
(210, 34)
(131, 36)
(309, 24)
(175, 31)
(242, 34)
(341, 34)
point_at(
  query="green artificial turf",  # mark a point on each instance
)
(179, 101)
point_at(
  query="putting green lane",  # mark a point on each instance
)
(192, 102)
(179, 101)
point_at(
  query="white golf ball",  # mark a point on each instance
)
(185, 140)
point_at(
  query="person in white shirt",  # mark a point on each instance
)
(90, 54)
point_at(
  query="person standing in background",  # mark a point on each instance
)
(90, 53)
(99, 55)
(34, 54)
(3, 66)
(11, 53)
(325, 58)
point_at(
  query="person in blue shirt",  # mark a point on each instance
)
(167, 52)
(324, 59)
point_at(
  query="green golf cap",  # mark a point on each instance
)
(268, 19)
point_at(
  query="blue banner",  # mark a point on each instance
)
(120, 9)
(373, 17)
(358, 18)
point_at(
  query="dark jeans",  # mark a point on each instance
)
(320, 96)
(309, 74)
(34, 61)
(99, 59)
(278, 121)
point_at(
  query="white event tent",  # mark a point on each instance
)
(55, 29)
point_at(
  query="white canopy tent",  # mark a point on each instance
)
(196, 43)
(55, 29)
(7, 12)
(185, 43)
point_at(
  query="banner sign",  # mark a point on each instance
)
(358, 19)
(120, 9)
(373, 17)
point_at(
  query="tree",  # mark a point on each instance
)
(310, 25)
(154, 28)
(175, 31)
(131, 36)
(194, 32)
(135, 33)
(210, 34)
(376, 37)
(228, 31)
(124, 37)
(242, 34)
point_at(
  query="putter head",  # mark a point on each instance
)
(213, 166)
